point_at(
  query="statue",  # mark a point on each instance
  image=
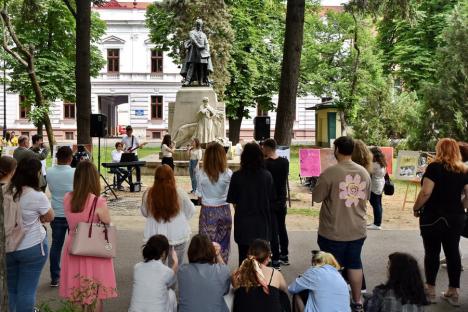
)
(207, 128)
(197, 65)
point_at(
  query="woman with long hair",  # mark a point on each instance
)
(259, 287)
(404, 289)
(205, 279)
(326, 288)
(213, 184)
(379, 170)
(362, 155)
(7, 169)
(442, 216)
(251, 191)
(195, 154)
(167, 210)
(167, 148)
(25, 263)
(86, 280)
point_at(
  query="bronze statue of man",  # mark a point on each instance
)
(197, 65)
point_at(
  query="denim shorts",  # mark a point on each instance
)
(348, 254)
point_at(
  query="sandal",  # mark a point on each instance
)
(431, 297)
(451, 299)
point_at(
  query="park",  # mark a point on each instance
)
(154, 82)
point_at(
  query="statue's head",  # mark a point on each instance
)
(199, 23)
(205, 101)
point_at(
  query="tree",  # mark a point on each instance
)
(409, 45)
(170, 21)
(81, 11)
(445, 112)
(41, 70)
(290, 71)
(256, 59)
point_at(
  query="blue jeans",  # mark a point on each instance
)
(193, 173)
(376, 203)
(59, 230)
(23, 271)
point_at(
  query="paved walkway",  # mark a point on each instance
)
(376, 249)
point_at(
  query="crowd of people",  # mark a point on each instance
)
(257, 192)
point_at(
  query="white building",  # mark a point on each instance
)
(136, 85)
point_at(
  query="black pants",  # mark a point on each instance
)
(243, 250)
(137, 172)
(449, 240)
(168, 161)
(120, 174)
(279, 242)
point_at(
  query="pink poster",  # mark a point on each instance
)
(388, 152)
(309, 162)
(327, 158)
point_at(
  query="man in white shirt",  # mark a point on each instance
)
(131, 145)
(120, 173)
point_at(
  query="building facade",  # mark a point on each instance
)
(136, 85)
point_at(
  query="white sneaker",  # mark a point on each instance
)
(373, 227)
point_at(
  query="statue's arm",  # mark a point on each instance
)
(193, 39)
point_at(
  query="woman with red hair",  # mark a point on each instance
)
(442, 216)
(167, 210)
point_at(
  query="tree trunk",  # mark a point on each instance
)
(234, 130)
(290, 71)
(82, 71)
(40, 128)
(235, 125)
(3, 278)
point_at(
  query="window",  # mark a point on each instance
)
(156, 135)
(113, 60)
(69, 135)
(156, 61)
(156, 107)
(69, 110)
(23, 110)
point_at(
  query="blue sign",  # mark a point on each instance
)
(139, 112)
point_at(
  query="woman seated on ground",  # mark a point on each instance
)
(152, 279)
(259, 287)
(326, 288)
(205, 279)
(167, 210)
(404, 289)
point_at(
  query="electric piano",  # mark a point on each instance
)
(130, 165)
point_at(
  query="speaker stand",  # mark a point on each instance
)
(107, 187)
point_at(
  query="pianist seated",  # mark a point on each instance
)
(121, 173)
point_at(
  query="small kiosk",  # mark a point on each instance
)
(327, 123)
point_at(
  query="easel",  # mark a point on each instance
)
(416, 184)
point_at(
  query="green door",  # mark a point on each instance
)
(331, 127)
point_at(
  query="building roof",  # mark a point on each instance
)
(120, 5)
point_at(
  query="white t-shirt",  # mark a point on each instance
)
(44, 167)
(127, 142)
(151, 282)
(33, 205)
(116, 155)
(213, 194)
(377, 178)
(165, 151)
(177, 230)
(196, 154)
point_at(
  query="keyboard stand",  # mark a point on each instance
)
(108, 188)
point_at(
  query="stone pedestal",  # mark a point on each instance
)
(184, 110)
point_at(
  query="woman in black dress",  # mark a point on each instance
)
(442, 216)
(259, 288)
(251, 192)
